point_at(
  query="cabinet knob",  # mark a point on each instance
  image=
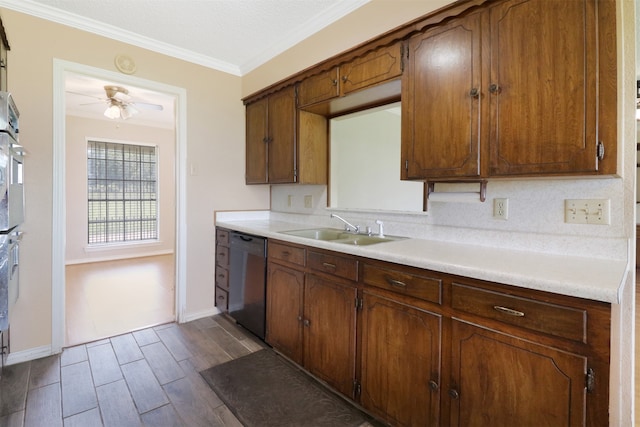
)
(433, 385)
(299, 318)
(474, 93)
(306, 322)
(334, 82)
(454, 394)
(495, 89)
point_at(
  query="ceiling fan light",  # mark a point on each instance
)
(127, 111)
(112, 111)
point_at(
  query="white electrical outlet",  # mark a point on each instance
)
(501, 208)
(587, 211)
(289, 200)
(308, 201)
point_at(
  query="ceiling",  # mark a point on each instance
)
(234, 36)
(85, 96)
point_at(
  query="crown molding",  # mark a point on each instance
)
(312, 26)
(92, 26)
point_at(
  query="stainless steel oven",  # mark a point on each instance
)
(11, 183)
(11, 214)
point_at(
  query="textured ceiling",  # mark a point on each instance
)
(233, 36)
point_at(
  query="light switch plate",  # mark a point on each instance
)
(308, 201)
(587, 211)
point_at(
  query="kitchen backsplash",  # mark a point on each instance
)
(535, 216)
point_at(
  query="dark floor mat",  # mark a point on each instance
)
(263, 390)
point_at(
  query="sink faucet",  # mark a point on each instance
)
(381, 229)
(348, 225)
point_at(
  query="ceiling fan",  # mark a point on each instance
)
(120, 104)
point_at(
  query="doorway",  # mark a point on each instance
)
(61, 70)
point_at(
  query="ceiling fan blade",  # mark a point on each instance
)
(146, 106)
(94, 103)
(84, 94)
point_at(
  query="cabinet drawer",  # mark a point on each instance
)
(402, 282)
(222, 256)
(222, 277)
(286, 253)
(333, 264)
(556, 320)
(222, 237)
(222, 299)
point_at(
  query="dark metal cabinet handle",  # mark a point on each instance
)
(329, 266)
(306, 322)
(397, 283)
(509, 311)
(345, 78)
(433, 385)
(454, 394)
(474, 93)
(495, 89)
(334, 82)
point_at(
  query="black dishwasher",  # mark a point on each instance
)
(247, 276)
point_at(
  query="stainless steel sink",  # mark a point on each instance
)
(319, 233)
(340, 236)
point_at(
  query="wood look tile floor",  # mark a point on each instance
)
(148, 377)
(109, 298)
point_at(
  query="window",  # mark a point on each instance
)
(122, 192)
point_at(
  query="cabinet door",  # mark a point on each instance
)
(543, 77)
(400, 362)
(284, 310)
(441, 102)
(256, 142)
(500, 380)
(318, 88)
(375, 67)
(282, 136)
(330, 332)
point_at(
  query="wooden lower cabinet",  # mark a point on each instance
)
(330, 332)
(400, 356)
(311, 318)
(285, 287)
(500, 380)
(421, 348)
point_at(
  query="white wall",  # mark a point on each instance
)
(78, 131)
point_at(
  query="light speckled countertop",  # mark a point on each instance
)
(591, 278)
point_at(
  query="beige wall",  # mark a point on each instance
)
(367, 22)
(78, 131)
(215, 146)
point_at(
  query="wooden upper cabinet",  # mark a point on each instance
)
(543, 87)
(284, 145)
(271, 139)
(318, 88)
(256, 142)
(441, 102)
(514, 89)
(282, 122)
(372, 68)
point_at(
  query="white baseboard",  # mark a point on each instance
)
(29, 354)
(200, 314)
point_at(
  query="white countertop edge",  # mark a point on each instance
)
(583, 277)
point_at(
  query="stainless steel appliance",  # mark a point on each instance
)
(247, 277)
(11, 213)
